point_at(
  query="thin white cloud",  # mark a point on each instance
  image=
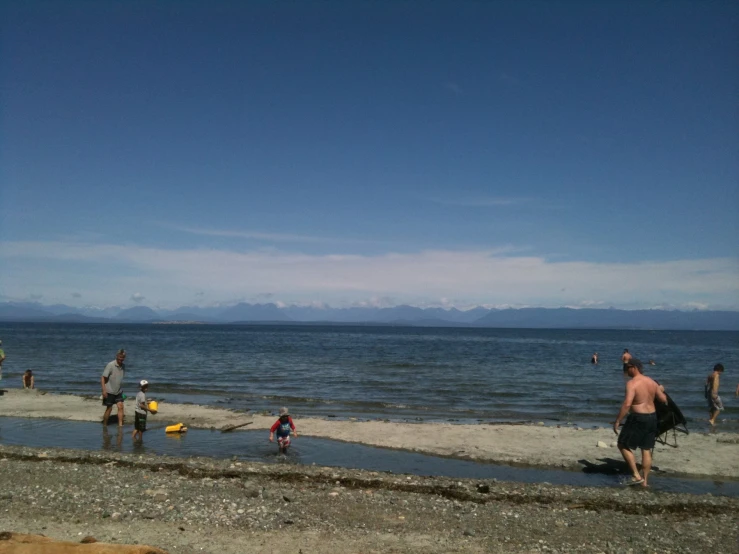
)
(482, 202)
(471, 277)
(268, 237)
(696, 306)
(137, 297)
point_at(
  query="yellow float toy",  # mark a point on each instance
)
(176, 428)
(153, 407)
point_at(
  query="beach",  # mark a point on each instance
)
(545, 446)
(198, 505)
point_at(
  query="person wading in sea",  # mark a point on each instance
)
(711, 393)
(112, 381)
(28, 380)
(626, 356)
(640, 429)
(2, 359)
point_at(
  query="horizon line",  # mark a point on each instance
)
(323, 306)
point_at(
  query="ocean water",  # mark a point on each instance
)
(397, 373)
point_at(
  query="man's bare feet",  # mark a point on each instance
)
(634, 481)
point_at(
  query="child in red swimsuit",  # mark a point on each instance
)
(283, 427)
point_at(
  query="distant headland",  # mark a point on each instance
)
(404, 315)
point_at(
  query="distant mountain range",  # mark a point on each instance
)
(541, 318)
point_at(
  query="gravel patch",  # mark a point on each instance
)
(208, 505)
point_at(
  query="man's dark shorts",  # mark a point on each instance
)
(639, 431)
(112, 399)
(139, 422)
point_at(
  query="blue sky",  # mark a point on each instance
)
(352, 153)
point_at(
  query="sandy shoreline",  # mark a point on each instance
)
(714, 455)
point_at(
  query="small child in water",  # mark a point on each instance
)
(142, 407)
(282, 427)
(28, 380)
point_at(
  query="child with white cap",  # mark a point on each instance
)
(142, 406)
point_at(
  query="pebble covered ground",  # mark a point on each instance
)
(209, 505)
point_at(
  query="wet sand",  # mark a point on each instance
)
(704, 455)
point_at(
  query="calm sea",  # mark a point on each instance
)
(399, 373)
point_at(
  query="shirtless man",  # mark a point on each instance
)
(640, 429)
(625, 357)
(711, 392)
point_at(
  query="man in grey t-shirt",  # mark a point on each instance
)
(111, 382)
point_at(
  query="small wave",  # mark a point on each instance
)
(412, 365)
(399, 365)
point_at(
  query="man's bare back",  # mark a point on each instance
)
(640, 430)
(644, 391)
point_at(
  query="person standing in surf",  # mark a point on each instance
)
(111, 382)
(626, 356)
(711, 393)
(640, 429)
(594, 359)
(142, 407)
(2, 359)
(28, 380)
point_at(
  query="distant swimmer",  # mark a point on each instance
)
(28, 380)
(652, 362)
(625, 357)
(2, 359)
(640, 429)
(711, 393)
(594, 359)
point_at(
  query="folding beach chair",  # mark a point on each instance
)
(669, 418)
